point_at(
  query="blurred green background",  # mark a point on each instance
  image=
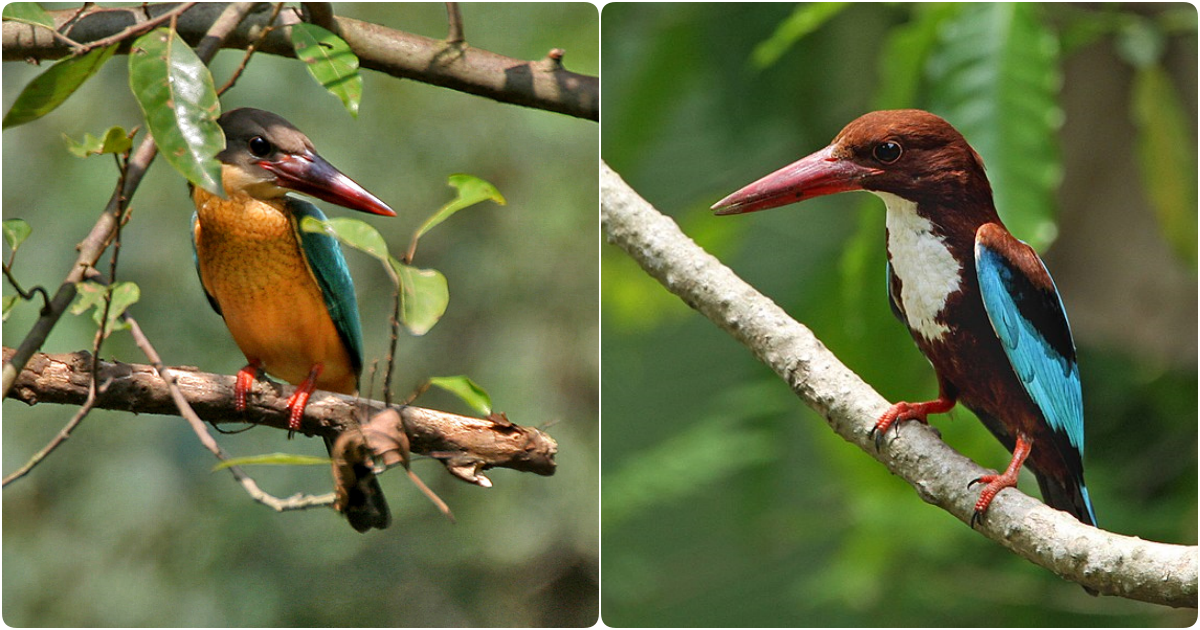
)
(126, 526)
(727, 502)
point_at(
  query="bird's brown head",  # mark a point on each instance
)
(265, 156)
(909, 153)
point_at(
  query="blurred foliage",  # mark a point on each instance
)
(126, 515)
(729, 503)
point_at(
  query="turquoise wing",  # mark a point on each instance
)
(333, 276)
(1028, 317)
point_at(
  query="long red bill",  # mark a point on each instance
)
(310, 174)
(819, 174)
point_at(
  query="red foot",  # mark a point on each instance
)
(902, 411)
(299, 399)
(996, 483)
(245, 380)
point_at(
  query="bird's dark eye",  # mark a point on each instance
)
(260, 146)
(888, 152)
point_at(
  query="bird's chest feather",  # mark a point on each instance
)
(927, 271)
(252, 264)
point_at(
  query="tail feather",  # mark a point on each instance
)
(1068, 495)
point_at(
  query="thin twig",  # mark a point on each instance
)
(296, 502)
(454, 17)
(394, 325)
(135, 29)
(26, 295)
(62, 436)
(237, 73)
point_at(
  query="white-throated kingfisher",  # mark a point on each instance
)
(978, 302)
(286, 295)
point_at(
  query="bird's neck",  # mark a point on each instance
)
(931, 251)
(242, 215)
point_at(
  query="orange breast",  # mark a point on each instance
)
(251, 262)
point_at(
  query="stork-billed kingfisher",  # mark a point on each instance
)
(286, 295)
(978, 302)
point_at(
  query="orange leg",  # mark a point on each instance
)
(299, 399)
(902, 411)
(996, 483)
(245, 380)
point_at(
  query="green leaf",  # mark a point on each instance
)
(471, 190)
(273, 459)
(996, 76)
(424, 296)
(330, 61)
(805, 19)
(905, 52)
(115, 140)
(15, 232)
(1166, 159)
(9, 302)
(90, 296)
(52, 87)
(175, 91)
(467, 390)
(29, 13)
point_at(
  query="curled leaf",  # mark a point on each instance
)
(467, 390)
(471, 190)
(115, 140)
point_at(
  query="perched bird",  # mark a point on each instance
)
(978, 302)
(286, 295)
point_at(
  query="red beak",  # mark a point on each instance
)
(821, 173)
(310, 174)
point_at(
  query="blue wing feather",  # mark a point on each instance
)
(1045, 366)
(333, 276)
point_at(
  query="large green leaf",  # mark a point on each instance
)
(52, 87)
(175, 90)
(1166, 158)
(995, 75)
(330, 61)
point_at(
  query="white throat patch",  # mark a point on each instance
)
(927, 270)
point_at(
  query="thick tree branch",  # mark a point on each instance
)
(460, 67)
(1109, 563)
(467, 446)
